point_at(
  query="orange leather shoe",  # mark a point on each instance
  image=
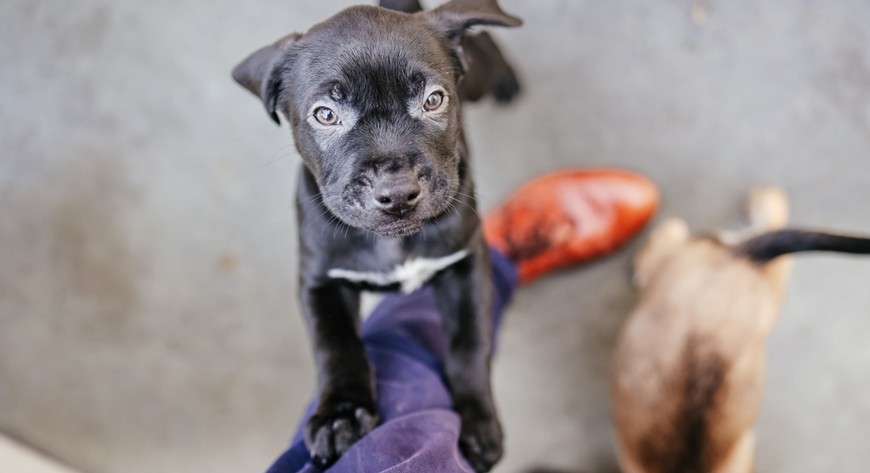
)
(568, 217)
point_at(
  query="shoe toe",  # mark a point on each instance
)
(571, 216)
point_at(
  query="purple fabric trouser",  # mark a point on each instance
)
(419, 432)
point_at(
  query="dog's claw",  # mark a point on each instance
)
(481, 443)
(329, 435)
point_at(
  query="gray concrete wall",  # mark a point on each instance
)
(147, 314)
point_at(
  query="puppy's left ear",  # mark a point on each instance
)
(455, 17)
(258, 73)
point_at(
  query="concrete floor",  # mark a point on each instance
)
(19, 458)
(147, 256)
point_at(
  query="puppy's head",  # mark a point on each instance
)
(371, 97)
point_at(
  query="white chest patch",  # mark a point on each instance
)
(410, 275)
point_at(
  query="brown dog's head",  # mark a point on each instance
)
(371, 97)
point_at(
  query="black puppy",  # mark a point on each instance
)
(385, 199)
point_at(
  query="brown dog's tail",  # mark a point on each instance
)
(768, 246)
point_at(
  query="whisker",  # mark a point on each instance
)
(467, 205)
(322, 213)
(281, 153)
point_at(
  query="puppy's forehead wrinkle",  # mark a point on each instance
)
(377, 86)
(365, 52)
(380, 85)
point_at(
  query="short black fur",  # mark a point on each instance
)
(384, 183)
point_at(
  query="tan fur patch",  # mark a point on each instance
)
(689, 364)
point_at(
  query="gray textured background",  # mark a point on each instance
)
(148, 320)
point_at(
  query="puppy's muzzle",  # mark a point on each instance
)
(397, 194)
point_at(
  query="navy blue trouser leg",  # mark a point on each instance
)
(419, 432)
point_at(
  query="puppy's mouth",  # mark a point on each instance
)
(402, 225)
(389, 225)
(406, 224)
(398, 228)
(358, 208)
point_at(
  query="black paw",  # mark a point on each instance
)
(329, 434)
(507, 87)
(481, 442)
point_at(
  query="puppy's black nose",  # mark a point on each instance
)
(397, 195)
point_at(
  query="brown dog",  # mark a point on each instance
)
(689, 364)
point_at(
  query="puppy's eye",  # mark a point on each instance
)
(325, 116)
(434, 101)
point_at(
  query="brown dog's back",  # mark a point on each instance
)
(689, 365)
(690, 361)
(687, 388)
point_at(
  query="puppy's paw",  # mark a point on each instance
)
(329, 434)
(481, 442)
(507, 87)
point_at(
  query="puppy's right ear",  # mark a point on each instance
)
(407, 6)
(258, 73)
(455, 17)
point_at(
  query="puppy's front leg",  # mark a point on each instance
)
(346, 402)
(464, 296)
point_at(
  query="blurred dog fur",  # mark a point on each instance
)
(689, 365)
